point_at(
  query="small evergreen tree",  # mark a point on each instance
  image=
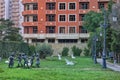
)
(65, 51)
(44, 50)
(76, 51)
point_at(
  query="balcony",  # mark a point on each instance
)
(30, 23)
(80, 23)
(37, 36)
(103, 0)
(29, 1)
(50, 0)
(29, 12)
(84, 11)
(84, 0)
(50, 12)
(57, 36)
(53, 23)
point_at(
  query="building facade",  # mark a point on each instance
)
(4, 9)
(12, 9)
(57, 21)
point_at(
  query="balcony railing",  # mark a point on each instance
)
(57, 36)
(84, 11)
(84, 0)
(29, 12)
(30, 23)
(29, 1)
(50, 23)
(103, 0)
(50, 0)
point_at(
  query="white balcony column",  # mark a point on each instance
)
(79, 41)
(30, 41)
(56, 41)
(46, 40)
(25, 40)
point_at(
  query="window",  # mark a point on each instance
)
(81, 17)
(71, 29)
(62, 30)
(26, 30)
(50, 6)
(50, 17)
(84, 5)
(82, 29)
(27, 17)
(101, 5)
(62, 18)
(67, 40)
(35, 30)
(72, 18)
(51, 40)
(27, 7)
(50, 29)
(62, 6)
(35, 18)
(84, 40)
(35, 6)
(72, 6)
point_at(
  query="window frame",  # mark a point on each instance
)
(69, 17)
(59, 18)
(69, 6)
(59, 6)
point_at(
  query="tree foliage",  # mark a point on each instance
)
(76, 51)
(65, 51)
(44, 50)
(7, 32)
(92, 20)
(7, 47)
(12, 34)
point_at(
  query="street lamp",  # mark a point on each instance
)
(104, 25)
(95, 56)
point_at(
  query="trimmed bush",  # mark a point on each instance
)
(65, 51)
(32, 50)
(44, 50)
(76, 51)
(86, 52)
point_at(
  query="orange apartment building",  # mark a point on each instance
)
(57, 21)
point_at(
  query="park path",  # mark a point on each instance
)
(111, 66)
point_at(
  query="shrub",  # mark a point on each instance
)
(44, 50)
(65, 51)
(86, 52)
(76, 51)
(31, 49)
(7, 47)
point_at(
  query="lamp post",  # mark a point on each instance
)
(95, 56)
(104, 25)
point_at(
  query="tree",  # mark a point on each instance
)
(44, 50)
(76, 51)
(4, 25)
(12, 34)
(115, 45)
(92, 21)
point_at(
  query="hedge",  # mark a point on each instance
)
(7, 47)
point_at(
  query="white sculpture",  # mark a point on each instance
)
(73, 57)
(69, 62)
(29, 63)
(59, 57)
(6, 61)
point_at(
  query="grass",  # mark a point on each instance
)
(53, 69)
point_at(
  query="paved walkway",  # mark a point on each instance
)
(112, 66)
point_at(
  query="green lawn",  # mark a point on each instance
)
(53, 69)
